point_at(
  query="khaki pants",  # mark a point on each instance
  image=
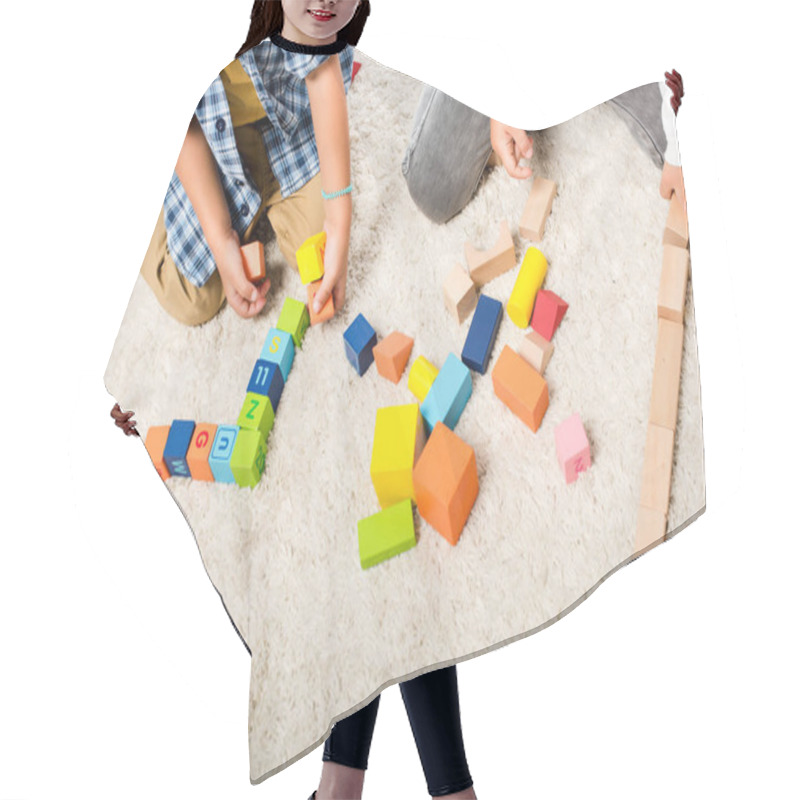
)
(293, 219)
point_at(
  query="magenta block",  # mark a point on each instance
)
(572, 447)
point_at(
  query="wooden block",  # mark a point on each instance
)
(294, 320)
(676, 231)
(154, 442)
(253, 258)
(667, 374)
(421, 377)
(221, 451)
(279, 349)
(396, 445)
(460, 296)
(572, 448)
(485, 265)
(674, 277)
(391, 355)
(199, 452)
(326, 312)
(311, 258)
(176, 447)
(548, 313)
(359, 339)
(529, 281)
(446, 482)
(537, 209)
(267, 381)
(482, 333)
(448, 395)
(536, 350)
(386, 534)
(651, 527)
(248, 458)
(657, 473)
(257, 414)
(520, 387)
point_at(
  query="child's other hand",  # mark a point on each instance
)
(244, 297)
(672, 181)
(335, 278)
(512, 144)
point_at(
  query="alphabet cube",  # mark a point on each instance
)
(448, 394)
(311, 258)
(421, 377)
(199, 451)
(221, 451)
(253, 259)
(326, 312)
(486, 265)
(386, 534)
(248, 458)
(391, 355)
(528, 282)
(257, 414)
(176, 447)
(294, 319)
(446, 482)
(482, 333)
(267, 381)
(154, 442)
(548, 313)
(521, 388)
(537, 209)
(359, 339)
(572, 448)
(536, 350)
(279, 349)
(459, 293)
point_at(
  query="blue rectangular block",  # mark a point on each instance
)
(178, 441)
(279, 349)
(359, 339)
(448, 395)
(220, 457)
(482, 333)
(267, 380)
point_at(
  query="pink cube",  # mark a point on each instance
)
(572, 447)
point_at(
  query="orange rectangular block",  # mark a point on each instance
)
(651, 527)
(154, 442)
(667, 374)
(676, 231)
(326, 312)
(391, 355)
(253, 258)
(199, 450)
(674, 277)
(537, 209)
(520, 387)
(657, 473)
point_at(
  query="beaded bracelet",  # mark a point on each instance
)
(334, 195)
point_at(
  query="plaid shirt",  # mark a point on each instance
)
(278, 75)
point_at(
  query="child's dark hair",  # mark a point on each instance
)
(266, 18)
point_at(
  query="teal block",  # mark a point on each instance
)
(448, 395)
(220, 457)
(279, 349)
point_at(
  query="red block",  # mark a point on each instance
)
(548, 313)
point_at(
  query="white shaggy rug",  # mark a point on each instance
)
(325, 635)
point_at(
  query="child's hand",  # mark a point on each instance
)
(672, 181)
(244, 297)
(512, 144)
(335, 277)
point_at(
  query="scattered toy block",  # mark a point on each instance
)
(651, 527)
(488, 264)
(548, 313)
(199, 452)
(359, 339)
(448, 394)
(326, 312)
(482, 334)
(257, 414)
(294, 320)
(279, 349)
(356, 68)
(528, 282)
(391, 355)
(536, 350)
(311, 258)
(446, 482)
(221, 451)
(398, 441)
(667, 374)
(421, 377)
(676, 231)
(657, 473)
(253, 259)
(176, 447)
(248, 457)
(460, 296)
(674, 277)
(267, 381)
(572, 448)
(520, 387)
(154, 442)
(386, 534)
(537, 209)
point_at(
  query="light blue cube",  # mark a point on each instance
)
(448, 395)
(220, 457)
(279, 349)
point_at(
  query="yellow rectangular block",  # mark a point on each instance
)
(674, 277)
(657, 473)
(667, 374)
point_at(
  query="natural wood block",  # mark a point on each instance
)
(397, 443)
(391, 355)
(536, 350)
(199, 451)
(529, 281)
(657, 473)
(253, 258)
(676, 231)
(674, 277)
(460, 296)
(667, 374)
(154, 442)
(651, 527)
(386, 534)
(520, 387)
(421, 377)
(484, 265)
(326, 312)
(537, 209)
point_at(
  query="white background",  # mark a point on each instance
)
(120, 674)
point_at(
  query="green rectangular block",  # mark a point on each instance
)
(385, 534)
(257, 414)
(294, 319)
(248, 458)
